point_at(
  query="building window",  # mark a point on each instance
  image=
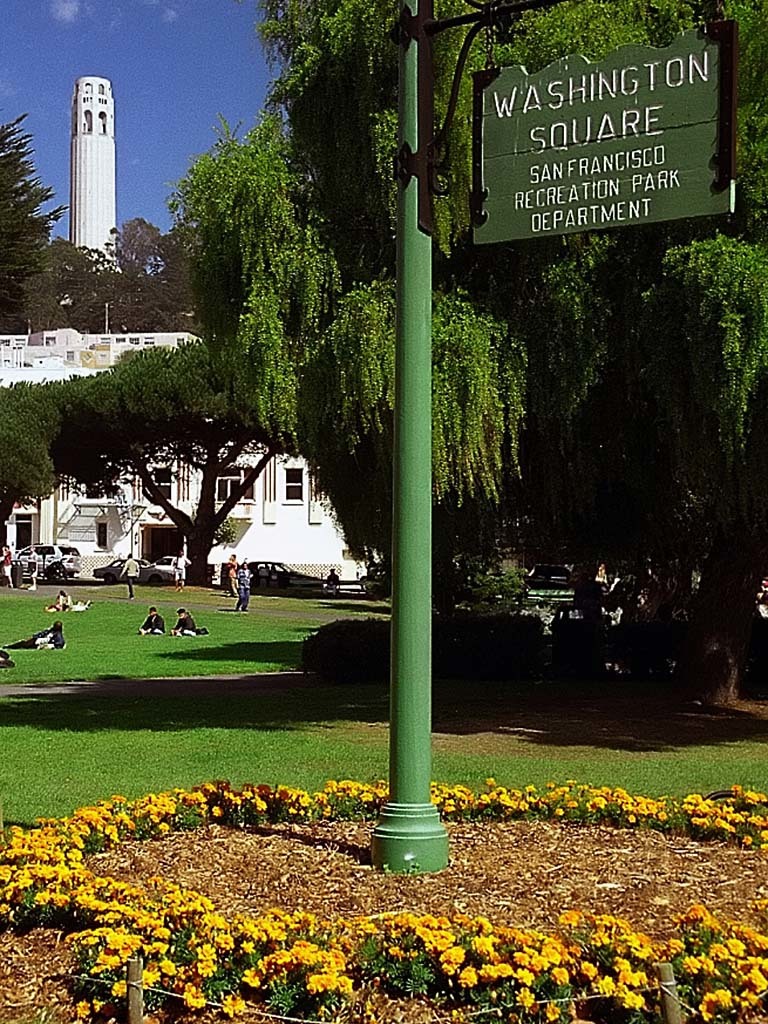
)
(101, 90)
(162, 477)
(101, 535)
(230, 481)
(88, 126)
(88, 88)
(294, 485)
(103, 122)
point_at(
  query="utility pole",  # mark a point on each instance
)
(409, 835)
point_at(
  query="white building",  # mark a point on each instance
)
(280, 518)
(92, 215)
(95, 351)
(12, 347)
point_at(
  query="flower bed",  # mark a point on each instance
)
(296, 964)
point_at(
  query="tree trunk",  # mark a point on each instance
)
(200, 537)
(715, 651)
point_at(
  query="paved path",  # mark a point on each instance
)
(180, 686)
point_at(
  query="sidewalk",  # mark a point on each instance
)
(176, 686)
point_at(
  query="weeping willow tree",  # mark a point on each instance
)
(262, 276)
(627, 369)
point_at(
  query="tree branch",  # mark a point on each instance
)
(248, 480)
(181, 519)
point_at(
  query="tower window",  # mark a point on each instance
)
(88, 123)
(88, 88)
(103, 122)
(101, 90)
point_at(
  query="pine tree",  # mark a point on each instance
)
(24, 226)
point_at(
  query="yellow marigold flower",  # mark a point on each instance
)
(631, 1000)
(484, 945)
(468, 977)
(526, 998)
(232, 1005)
(605, 986)
(252, 978)
(756, 980)
(552, 1012)
(560, 976)
(193, 997)
(691, 964)
(492, 972)
(713, 1002)
(451, 959)
(524, 976)
(82, 1010)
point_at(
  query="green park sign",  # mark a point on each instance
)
(644, 135)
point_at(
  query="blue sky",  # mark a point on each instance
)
(175, 65)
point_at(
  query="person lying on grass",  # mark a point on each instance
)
(154, 624)
(62, 603)
(186, 625)
(51, 639)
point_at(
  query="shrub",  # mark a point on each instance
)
(647, 649)
(464, 647)
(349, 651)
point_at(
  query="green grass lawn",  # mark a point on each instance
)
(102, 643)
(62, 749)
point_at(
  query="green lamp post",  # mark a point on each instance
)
(409, 835)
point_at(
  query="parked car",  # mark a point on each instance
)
(160, 571)
(54, 561)
(278, 574)
(549, 583)
(111, 573)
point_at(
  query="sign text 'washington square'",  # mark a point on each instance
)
(579, 146)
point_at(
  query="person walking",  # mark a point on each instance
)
(32, 564)
(131, 572)
(243, 587)
(180, 564)
(7, 566)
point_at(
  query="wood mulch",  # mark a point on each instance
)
(521, 873)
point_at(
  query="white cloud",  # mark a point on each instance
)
(170, 14)
(65, 11)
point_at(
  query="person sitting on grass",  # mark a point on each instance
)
(6, 661)
(185, 625)
(62, 603)
(51, 639)
(154, 624)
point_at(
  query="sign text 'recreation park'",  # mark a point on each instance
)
(632, 139)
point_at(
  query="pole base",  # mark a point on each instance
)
(409, 838)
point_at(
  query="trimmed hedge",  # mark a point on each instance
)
(465, 647)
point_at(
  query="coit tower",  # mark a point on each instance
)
(92, 163)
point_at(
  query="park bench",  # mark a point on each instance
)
(346, 587)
